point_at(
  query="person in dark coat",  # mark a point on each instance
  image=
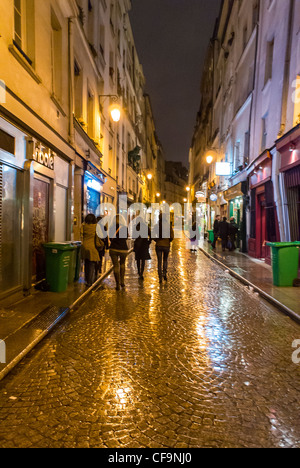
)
(141, 246)
(118, 234)
(164, 236)
(216, 230)
(89, 249)
(224, 232)
(233, 230)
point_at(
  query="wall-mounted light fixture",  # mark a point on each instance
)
(114, 108)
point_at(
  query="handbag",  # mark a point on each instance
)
(99, 243)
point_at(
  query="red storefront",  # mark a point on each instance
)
(289, 148)
(264, 223)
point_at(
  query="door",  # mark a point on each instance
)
(41, 189)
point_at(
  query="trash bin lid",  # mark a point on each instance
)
(283, 244)
(59, 246)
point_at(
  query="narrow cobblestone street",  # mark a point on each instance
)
(199, 361)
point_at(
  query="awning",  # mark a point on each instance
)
(238, 190)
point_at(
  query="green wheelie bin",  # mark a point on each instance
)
(285, 262)
(211, 236)
(59, 256)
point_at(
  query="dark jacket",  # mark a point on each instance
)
(233, 229)
(141, 245)
(160, 239)
(118, 238)
(224, 229)
(216, 226)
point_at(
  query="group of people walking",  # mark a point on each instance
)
(98, 239)
(227, 232)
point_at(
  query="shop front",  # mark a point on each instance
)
(264, 223)
(236, 198)
(11, 205)
(289, 149)
(93, 190)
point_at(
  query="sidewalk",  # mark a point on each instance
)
(25, 321)
(257, 275)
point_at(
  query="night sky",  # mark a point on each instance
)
(171, 37)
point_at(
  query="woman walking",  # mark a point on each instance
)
(141, 246)
(118, 250)
(89, 250)
(165, 236)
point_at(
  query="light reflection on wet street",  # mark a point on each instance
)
(197, 362)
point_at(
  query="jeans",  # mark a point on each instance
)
(162, 258)
(119, 262)
(90, 272)
(141, 266)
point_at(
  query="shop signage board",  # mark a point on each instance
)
(44, 156)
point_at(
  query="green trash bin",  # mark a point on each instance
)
(59, 256)
(285, 262)
(211, 236)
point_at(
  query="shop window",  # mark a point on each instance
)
(10, 225)
(7, 142)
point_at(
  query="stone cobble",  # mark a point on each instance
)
(199, 361)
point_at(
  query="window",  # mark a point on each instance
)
(90, 115)
(56, 55)
(18, 23)
(24, 28)
(269, 61)
(296, 100)
(78, 89)
(264, 134)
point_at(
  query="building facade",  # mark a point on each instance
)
(253, 64)
(63, 63)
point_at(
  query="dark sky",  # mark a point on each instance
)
(171, 37)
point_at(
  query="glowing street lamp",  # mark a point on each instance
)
(188, 189)
(158, 195)
(209, 159)
(149, 176)
(115, 113)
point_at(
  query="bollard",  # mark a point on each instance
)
(2, 352)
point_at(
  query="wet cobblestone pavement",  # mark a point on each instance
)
(197, 362)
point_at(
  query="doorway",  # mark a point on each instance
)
(40, 221)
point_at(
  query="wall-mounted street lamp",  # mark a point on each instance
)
(149, 176)
(114, 109)
(209, 159)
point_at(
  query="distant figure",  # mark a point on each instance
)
(141, 246)
(163, 246)
(102, 234)
(216, 231)
(193, 236)
(89, 249)
(224, 232)
(233, 230)
(118, 249)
